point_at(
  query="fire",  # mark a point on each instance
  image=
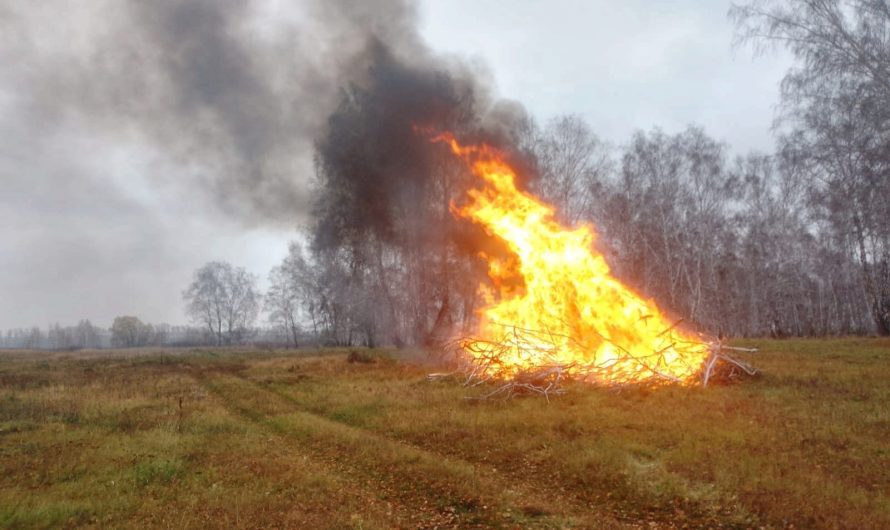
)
(568, 311)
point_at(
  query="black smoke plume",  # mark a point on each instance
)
(231, 92)
(379, 173)
(234, 93)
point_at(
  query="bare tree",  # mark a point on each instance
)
(59, 338)
(224, 299)
(33, 338)
(837, 101)
(573, 164)
(86, 335)
(282, 301)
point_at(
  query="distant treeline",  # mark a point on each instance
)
(129, 332)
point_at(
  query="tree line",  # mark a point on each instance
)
(131, 332)
(125, 332)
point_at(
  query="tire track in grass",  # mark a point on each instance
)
(537, 493)
(462, 492)
(533, 493)
(374, 512)
(405, 481)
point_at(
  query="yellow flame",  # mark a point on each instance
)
(583, 317)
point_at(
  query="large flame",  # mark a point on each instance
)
(570, 310)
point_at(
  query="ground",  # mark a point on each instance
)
(305, 439)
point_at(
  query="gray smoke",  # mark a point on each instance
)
(231, 92)
(143, 138)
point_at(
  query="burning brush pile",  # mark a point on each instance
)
(554, 312)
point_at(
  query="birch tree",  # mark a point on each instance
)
(836, 101)
(224, 299)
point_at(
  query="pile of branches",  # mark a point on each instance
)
(723, 366)
(492, 362)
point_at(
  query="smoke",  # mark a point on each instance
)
(380, 174)
(232, 91)
(143, 138)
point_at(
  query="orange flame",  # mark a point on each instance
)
(576, 314)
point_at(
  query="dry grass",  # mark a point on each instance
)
(306, 439)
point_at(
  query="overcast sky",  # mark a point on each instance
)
(94, 222)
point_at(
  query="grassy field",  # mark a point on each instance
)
(223, 438)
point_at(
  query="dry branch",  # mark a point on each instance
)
(487, 361)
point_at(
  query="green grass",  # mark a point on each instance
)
(229, 438)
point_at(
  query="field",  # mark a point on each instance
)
(305, 439)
